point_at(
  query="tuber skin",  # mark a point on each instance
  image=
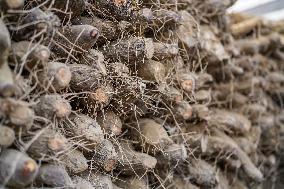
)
(86, 129)
(152, 71)
(53, 106)
(187, 81)
(48, 143)
(5, 43)
(95, 59)
(55, 76)
(230, 121)
(53, 175)
(184, 110)
(153, 135)
(18, 112)
(16, 169)
(132, 162)
(84, 77)
(81, 183)
(7, 136)
(133, 183)
(202, 173)
(37, 21)
(98, 180)
(29, 54)
(176, 152)
(109, 30)
(110, 122)
(11, 4)
(75, 38)
(130, 50)
(105, 156)
(8, 86)
(165, 18)
(74, 161)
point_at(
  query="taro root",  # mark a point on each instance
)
(105, 156)
(8, 87)
(7, 136)
(86, 129)
(28, 53)
(16, 169)
(130, 50)
(110, 122)
(53, 175)
(133, 183)
(47, 143)
(5, 43)
(76, 38)
(55, 76)
(81, 183)
(11, 4)
(152, 71)
(51, 106)
(153, 135)
(18, 112)
(74, 161)
(202, 173)
(133, 162)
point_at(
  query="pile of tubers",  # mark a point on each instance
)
(130, 94)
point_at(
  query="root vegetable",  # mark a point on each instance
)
(51, 106)
(242, 28)
(202, 173)
(133, 183)
(100, 97)
(153, 135)
(8, 87)
(131, 162)
(75, 161)
(55, 76)
(47, 143)
(17, 169)
(81, 183)
(84, 77)
(7, 136)
(176, 152)
(11, 4)
(5, 43)
(230, 120)
(184, 110)
(29, 54)
(152, 71)
(186, 81)
(18, 112)
(98, 180)
(165, 18)
(165, 50)
(105, 156)
(76, 38)
(53, 175)
(110, 122)
(85, 129)
(130, 50)
(95, 59)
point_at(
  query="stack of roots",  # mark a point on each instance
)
(166, 94)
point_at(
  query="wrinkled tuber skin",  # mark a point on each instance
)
(130, 50)
(152, 71)
(154, 136)
(7, 136)
(133, 183)
(75, 38)
(11, 4)
(110, 122)
(55, 76)
(75, 161)
(86, 129)
(16, 169)
(48, 143)
(53, 106)
(98, 180)
(105, 156)
(132, 162)
(8, 86)
(53, 175)
(37, 21)
(5, 43)
(202, 173)
(29, 54)
(18, 112)
(81, 183)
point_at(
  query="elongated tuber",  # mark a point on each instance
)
(110, 122)
(16, 169)
(7, 136)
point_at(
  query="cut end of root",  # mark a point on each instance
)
(94, 33)
(100, 96)
(29, 168)
(64, 76)
(44, 55)
(188, 85)
(109, 165)
(62, 110)
(120, 2)
(56, 144)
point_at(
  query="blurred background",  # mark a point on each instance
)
(269, 9)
